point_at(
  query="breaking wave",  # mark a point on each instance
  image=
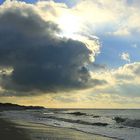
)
(78, 121)
(127, 122)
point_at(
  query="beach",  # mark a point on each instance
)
(32, 131)
(49, 124)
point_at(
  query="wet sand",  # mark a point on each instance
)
(32, 131)
(8, 131)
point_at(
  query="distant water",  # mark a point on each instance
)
(118, 124)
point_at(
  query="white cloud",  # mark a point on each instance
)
(122, 18)
(90, 16)
(122, 32)
(124, 77)
(125, 56)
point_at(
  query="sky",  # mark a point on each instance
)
(70, 54)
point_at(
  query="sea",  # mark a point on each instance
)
(120, 124)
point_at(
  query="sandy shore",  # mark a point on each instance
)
(31, 131)
(8, 131)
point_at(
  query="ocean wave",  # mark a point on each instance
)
(127, 122)
(83, 114)
(132, 123)
(119, 119)
(78, 113)
(78, 121)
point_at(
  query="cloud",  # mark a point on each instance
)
(124, 81)
(125, 56)
(121, 32)
(65, 99)
(34, 59)
(121, 20)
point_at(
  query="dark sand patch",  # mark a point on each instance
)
(8, 131)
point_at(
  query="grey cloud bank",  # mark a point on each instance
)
(39, 59)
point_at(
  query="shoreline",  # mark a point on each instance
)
(99, 136)
(32, 131)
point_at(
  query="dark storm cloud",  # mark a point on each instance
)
(40, 60)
